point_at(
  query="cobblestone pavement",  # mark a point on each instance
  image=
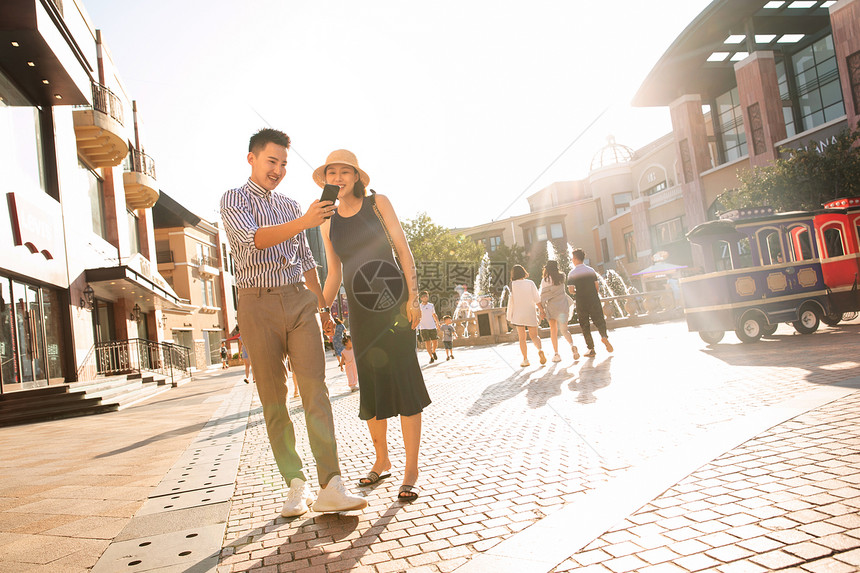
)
(504, 447)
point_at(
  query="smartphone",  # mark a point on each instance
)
(330, 194)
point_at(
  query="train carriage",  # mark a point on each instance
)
(763, 268)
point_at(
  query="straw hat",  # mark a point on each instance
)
(343, 157)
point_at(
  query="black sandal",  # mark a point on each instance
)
(372, 478)
(407, 493)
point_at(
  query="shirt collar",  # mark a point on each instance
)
(257, 190)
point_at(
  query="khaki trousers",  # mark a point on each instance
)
(275, 323)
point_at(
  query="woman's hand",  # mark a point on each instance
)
(413, 312)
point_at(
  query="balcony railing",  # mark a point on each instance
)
(206, 260)
(164, 257)
(140, 162)
(107, 102)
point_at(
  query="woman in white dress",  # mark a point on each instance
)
(556, 305)
(523, 308)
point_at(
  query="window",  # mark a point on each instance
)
(604, 246)
(494, 243)
(730, 125)
(722, 256)
(208, 290)
(621, 201)
(833, 242)
(133, 233)
(540, 233)
(744, 254)
(669, 231)
(785, 96)
(772, 247)
(661, 186)
(21, 158)
(630, 246)
(816, 80)
(96, 193)
(599, 211)
(556, 231)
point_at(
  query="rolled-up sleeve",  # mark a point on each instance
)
(238, 221)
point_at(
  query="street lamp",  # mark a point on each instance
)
(135, 313)
(88, 299)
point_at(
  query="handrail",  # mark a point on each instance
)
(205, 260)
(136, 355)
(107, 102)
(139, 162)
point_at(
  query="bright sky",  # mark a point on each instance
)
(452, 107)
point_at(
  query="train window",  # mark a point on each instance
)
(722, 256)
(805, 245)
(773, 245)
(744, 259)
(833, 242)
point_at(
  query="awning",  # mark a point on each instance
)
(123, 282)
(658, 268)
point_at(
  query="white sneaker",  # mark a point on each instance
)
(334, 497)
(556, 358)
(524, 363)
(298, 499)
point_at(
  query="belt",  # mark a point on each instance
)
(259, 291)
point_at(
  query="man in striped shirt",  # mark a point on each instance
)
(279, 298)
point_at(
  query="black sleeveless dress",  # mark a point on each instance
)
(389, 376)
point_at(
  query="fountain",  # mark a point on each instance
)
(606, 292)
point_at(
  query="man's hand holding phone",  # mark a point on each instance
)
(322, 209)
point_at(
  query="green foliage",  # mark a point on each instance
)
(432, 242)
(803, 179)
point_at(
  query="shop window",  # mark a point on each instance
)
(730, 125)
(22, 160)
(630, 246)
(785, 97)
(669, 231)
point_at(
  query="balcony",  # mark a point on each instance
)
(141, 189)
(99, 129)
(206, 266)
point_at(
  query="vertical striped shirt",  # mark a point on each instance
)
(246, 209)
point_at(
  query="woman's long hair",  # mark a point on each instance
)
(518, 272)
(551, 272)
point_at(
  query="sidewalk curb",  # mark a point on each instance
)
(548, 542)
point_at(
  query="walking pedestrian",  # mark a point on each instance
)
(347, 363)
(449, 333)
(361, 241)
(427, 328)
(223, 355)
(555, 304)
(523, 309)
(279, 298)
(582, 284)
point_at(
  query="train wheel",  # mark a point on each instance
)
(769, 329)
(711, 337)
(808, 321)
(751, 330)
(831, 319)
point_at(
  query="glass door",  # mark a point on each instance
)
(8, 366)
(30, 338)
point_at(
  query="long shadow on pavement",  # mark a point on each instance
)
(592, 377)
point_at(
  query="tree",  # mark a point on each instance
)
(804, 179)
(434, 247)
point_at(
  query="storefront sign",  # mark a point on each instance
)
(37, 223)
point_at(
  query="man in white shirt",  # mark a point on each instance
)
(428, 325)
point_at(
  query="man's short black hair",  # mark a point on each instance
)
(578, 254)
(265, 136)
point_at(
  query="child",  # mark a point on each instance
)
(448, 336)
(223, 356)
(347, 359)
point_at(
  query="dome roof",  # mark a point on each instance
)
(611, 154)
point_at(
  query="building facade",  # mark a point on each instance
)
(744, 80)
(76, 238)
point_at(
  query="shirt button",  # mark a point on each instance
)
(283, 260)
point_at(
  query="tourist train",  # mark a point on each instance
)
(763, 268)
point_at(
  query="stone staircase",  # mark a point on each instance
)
(104, 394)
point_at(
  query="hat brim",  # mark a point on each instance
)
(319, 173)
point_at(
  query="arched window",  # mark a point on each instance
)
(833, 242)
(801, 244)
(770, 246)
